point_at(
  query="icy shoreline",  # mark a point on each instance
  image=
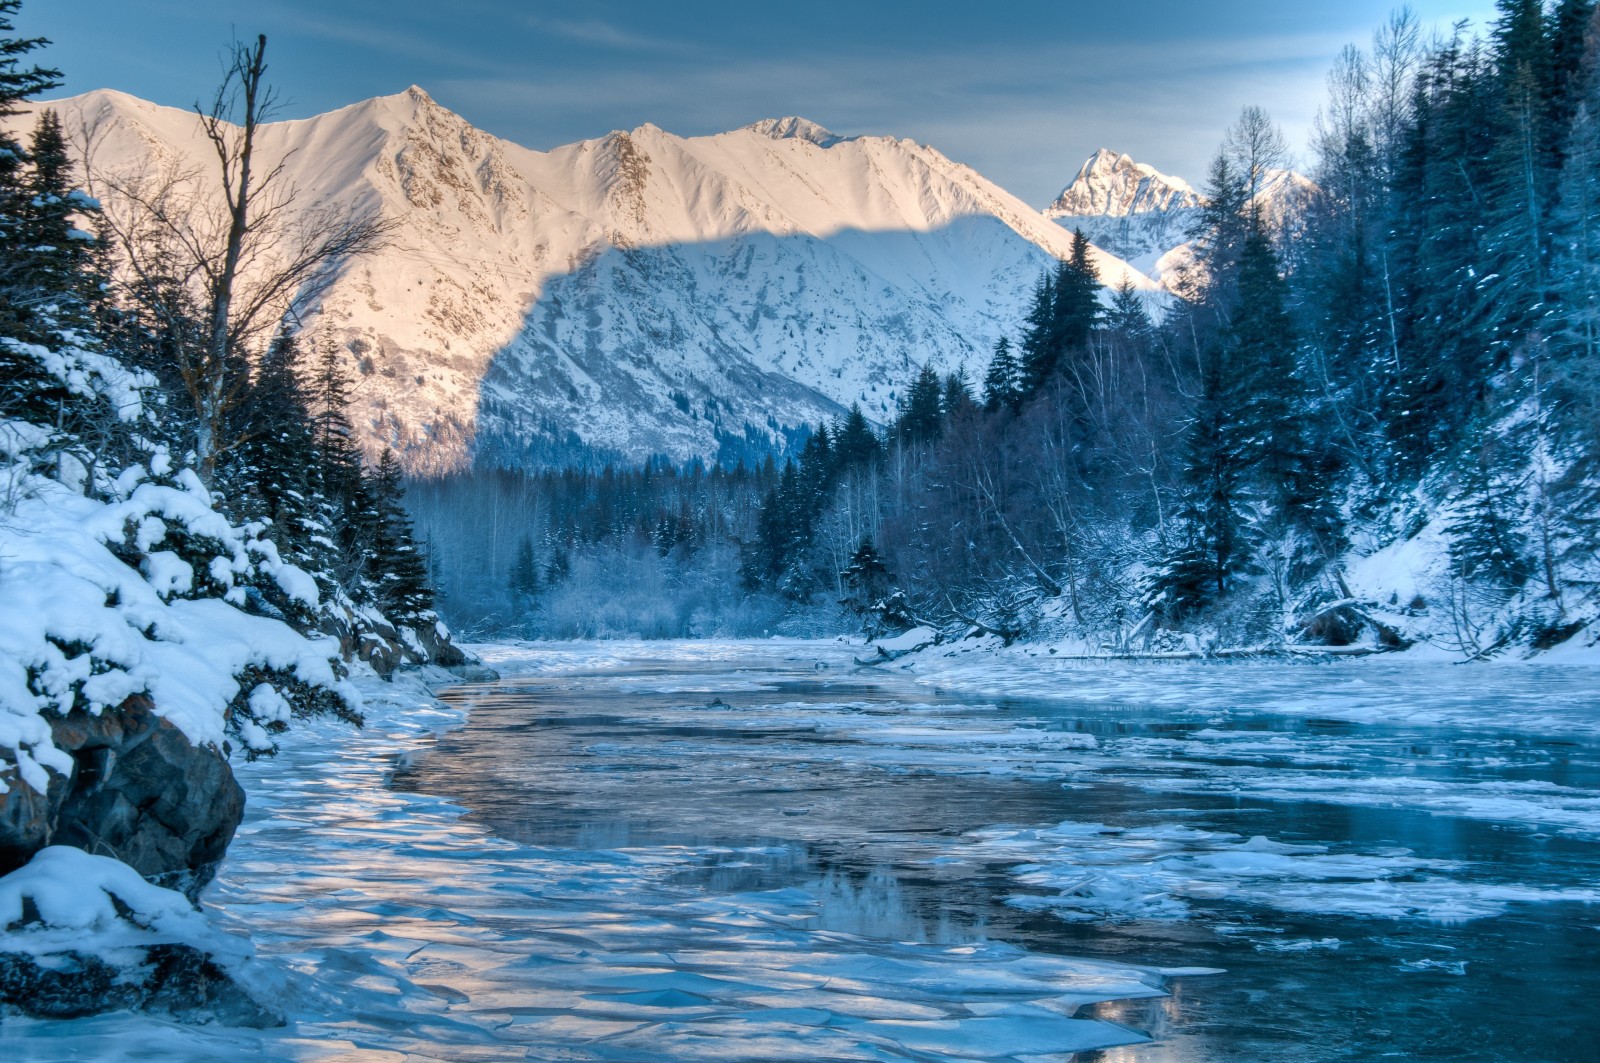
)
(1556, 693)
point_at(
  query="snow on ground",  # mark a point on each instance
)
(1543, 696)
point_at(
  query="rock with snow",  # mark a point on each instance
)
(1148, 218)
(83, 934)
(1113, 185)
(137, 789)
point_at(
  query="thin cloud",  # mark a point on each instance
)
(602, 34)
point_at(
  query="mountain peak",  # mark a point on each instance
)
(1110, 183)
(795, 128)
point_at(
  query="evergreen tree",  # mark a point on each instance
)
(56, 247)
(1066, 313)
(397, 570)
(1128, 317)
(524, 576)
(1260, 355)
(1039, 354)
(273, 476)
(1486, 546)
(1216, 522)
(957, 400)
(26, 389)
(867, 580)
(855, 444)
(1219, 234)
(1002, 384)
(921, 417)
(1077, 310)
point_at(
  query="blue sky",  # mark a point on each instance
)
(1021, 91)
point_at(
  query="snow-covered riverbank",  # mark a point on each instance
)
(1556, 693)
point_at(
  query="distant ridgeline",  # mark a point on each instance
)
(191, 550)
(1372, 419)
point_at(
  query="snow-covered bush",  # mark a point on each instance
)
(119, 578)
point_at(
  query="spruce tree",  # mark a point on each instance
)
(1002, 384)
(524, 576)
(396, 568)
(921, 417)
(26, 388)
(867, 581)
(1486, 545)
(1216, 529)
(855, 444)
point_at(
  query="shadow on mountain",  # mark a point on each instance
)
(727, 349)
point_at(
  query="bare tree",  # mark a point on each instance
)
(1256, 147)
(219, 274)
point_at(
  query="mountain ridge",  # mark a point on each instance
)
(638, 293)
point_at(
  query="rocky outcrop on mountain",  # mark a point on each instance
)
(1114, 185)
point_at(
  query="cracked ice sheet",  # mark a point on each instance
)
(403, 931)
(1090, 871)
(1529, 804)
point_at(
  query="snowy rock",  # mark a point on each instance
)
(1147, 218)
(85, 934)
(137, 790)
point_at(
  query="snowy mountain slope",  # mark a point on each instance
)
(1145, 217)
(642, 292)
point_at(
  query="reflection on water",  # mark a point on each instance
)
(1370, 891)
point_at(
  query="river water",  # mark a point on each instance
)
(1362, 890)
(752, 851)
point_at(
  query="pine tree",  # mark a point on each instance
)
(1065, 314)
(855, 444)
(921, 417)
(1076, 311)
(55, 249)
(867, 580)
(26, 388)
(1486, 545)
(1216, 522)
(957, 400)
(1002, 384)
(273, 474)
(396, 568)
(524, 576)
(1219, 233)
(1260, 353)
(1039, 355)
(1128, 316)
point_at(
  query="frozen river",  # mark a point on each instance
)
(751, 851)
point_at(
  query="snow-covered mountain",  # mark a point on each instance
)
(641, 293)
(1141, 213)
(1143, 216)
